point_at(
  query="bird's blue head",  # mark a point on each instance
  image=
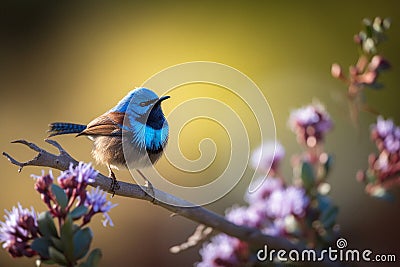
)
(144, 106)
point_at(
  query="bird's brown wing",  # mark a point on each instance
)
(108, 124)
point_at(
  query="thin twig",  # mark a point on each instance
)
(200, 234)
(43, 158)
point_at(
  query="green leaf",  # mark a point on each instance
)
(324, 202)
(328, 216)
(328, 164)
(57, 256)
(66, 238)
(61, 197)
(307, 175)
(370, 176)
(94, 257)
(46, 225)
(75, 228)
(78, 212)
(48, 262)
(57, 243)
(41, 245)
(82, 240)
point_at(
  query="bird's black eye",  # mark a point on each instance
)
(148, 102)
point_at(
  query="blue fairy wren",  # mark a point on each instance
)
(139, 118)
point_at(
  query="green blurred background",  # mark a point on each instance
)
(73, 61)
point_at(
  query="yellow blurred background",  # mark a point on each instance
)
(72, 62)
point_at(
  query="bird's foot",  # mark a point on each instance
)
(114, 184)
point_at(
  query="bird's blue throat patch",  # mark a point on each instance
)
(155, 138)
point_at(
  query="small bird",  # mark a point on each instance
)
(132, 134)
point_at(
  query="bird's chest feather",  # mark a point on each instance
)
(153, 140)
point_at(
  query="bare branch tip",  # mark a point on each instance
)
(28, 144)
(14, 161)
(201, 233)
(56, 145)
(175, 249)
(53, 143)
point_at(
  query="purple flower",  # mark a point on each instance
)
(396, 132)
(223, 250)
(282, 203)
(75, 180)
(237, 215)
(43, 182)
(303, 116)
(386, 135)
(251, 216)
(275, 227)
(383, 127)
(42, 185)
(384, 166)
(83, 174)
(97, 202)
(220, 249)
(267, 156)
(20, 227)
(310, 123)
(269, 185)
(392, 144)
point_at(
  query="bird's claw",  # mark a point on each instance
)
(114, 184)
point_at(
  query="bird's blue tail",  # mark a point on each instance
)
(57, 128)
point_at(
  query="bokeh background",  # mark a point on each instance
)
(73, 61)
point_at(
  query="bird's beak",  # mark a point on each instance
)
(162, 99)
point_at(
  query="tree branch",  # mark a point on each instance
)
(179, 206)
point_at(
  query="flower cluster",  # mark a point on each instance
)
(25, 234)
(73, 183)
(383, 168)
(75, 180)
(96, 202)
(369, 65)
(224, 250)
(274, 208)
(19, 228)
(364, 73)
(301, 211)
(310, 124)
(386, 136)
(374, 33)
